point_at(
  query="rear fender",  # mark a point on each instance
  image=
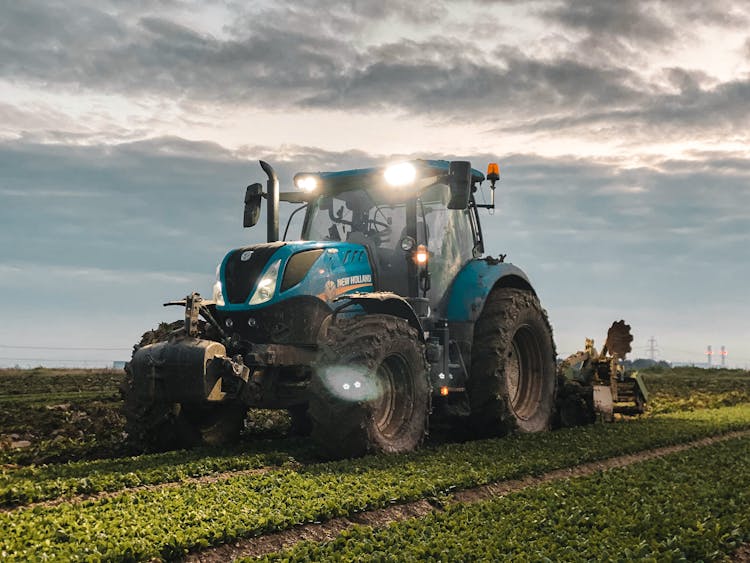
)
(474, 283)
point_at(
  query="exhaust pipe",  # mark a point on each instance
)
(272, 195)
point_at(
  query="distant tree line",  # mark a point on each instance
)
(643, 363)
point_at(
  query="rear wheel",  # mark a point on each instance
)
(151, 424)
(574, 405)
(369, 391)
(512, 382)
(301, 425)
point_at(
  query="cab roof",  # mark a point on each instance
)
(429, 172)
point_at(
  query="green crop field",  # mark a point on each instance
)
(693, 388)
(586, 518)
(71, 490)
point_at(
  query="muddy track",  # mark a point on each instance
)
(326, 531)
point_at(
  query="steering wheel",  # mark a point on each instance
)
(382, 228)
(379, 230)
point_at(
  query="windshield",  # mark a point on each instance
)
(363, 217)
(355, 216)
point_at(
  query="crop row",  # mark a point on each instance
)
(37, 483)
(168, 522)
(664, 509)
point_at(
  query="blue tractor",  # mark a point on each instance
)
(384, 319)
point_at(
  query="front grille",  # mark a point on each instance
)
(240, 276)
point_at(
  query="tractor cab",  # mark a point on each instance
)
(418, 222)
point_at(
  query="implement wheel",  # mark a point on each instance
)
(369, 391)
(154, 425)
(512, 381)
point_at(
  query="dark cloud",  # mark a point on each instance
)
(450, 79)
(639, 23)
(293, 65)
(99, 51)
(274, 58)
(624, 19)
(695, 110)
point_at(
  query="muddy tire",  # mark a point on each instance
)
(369, 391)
(575, 405)
(512, 381)
(153, 425)
(301, 424)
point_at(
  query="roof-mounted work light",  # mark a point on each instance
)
(400, 175)
(306, 182)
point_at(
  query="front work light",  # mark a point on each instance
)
(400, 175)
(306, 183)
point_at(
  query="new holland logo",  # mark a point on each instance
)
(246, 255)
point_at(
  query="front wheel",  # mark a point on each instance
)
(369, 391)
(512, 381)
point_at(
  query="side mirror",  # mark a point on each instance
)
(459, 180)
(252, 205)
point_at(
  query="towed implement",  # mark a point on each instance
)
(385, 316)
(592, 383)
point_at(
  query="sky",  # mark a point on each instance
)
(129, 130)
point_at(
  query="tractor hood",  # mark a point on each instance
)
(261, 275)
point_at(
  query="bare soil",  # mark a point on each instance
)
(742, 555)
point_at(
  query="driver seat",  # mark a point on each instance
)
(389, 274)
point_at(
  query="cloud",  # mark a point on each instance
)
(447, 79)
(628, 25)
(623, 20)
(720, 110)
(270, 57)
(288, 65)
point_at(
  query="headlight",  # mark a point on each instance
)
(218, 295)
(401, 174)
(267, 285)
